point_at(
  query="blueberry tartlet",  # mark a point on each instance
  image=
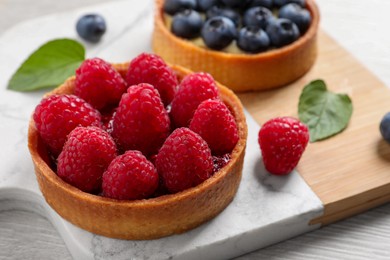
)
(246, 45)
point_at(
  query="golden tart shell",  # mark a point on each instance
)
(240, 72)
(141, 219)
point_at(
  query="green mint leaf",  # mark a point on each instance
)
(325, 113)
(49, 66)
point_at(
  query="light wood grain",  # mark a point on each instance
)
(362, 237)
(350, 171)
(26, 235)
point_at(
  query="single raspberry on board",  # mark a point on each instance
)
(57, 115)
(216, 125)
(152, 69)
(98, 83)
(184, 160)
(86, 155)
(193, 90)
(141, 121)
(130, 176)
(282, 142)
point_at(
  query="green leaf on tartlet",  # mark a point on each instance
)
(325, 113)
(48, 66)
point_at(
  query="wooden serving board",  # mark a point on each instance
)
(349, 172)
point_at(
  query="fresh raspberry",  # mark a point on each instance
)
(193, 89)
(184, 160)
(130, 176)
(282, 142)
(98, 83)
(152, 69)
(141, 121)
(216, 125)
(86, 155)
(57, 115)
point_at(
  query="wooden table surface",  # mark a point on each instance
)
(360, 26)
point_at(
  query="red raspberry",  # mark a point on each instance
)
(184, 160)
(216, 125)
(150, 68)
(86, 155)
(193, 89)
(282, 141)
(56, 116)
(141, 121)
(98, 83)
(130, 176)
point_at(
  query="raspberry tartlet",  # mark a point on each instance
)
(139, 219)
(237, 70)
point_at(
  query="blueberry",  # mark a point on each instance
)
(282, 32)
(204, 5)
(264, 3)
(253, 40)
(174, 6)
(384, 127)
(225, 12)
(236, 3)
(279, 3)
(218, 32)
(187, 24)
(91, 27)
(257, 16)
(298, 15)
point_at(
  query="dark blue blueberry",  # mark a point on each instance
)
(279, 3)
(187, 24)
(253, 40)
(264, 3)
(225, 12)
(384, 127)
(282, 32)
(91, 27)
(218, 32)
(204, 5)
(240, 4)
(298, 15)
(174, 6)
(257, 16)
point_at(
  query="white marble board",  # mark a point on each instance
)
(266, 209)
